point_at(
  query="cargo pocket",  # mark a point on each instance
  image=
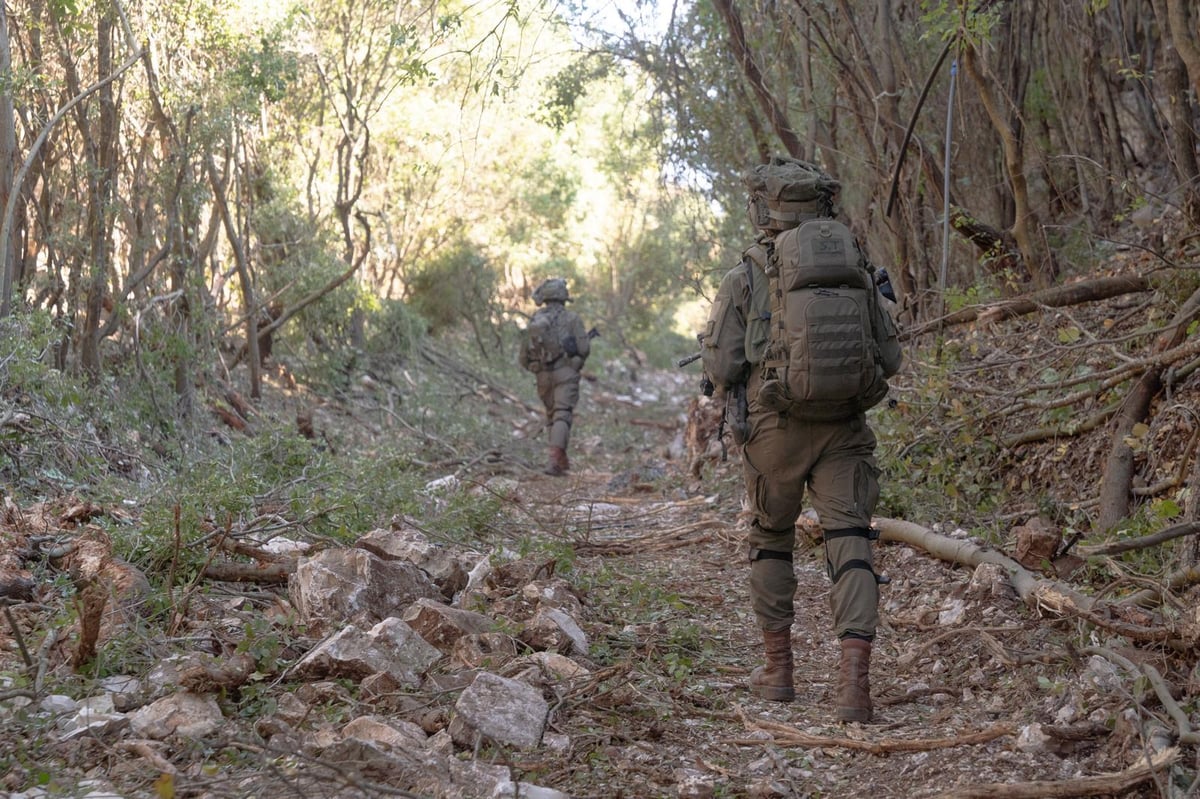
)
(866, 489)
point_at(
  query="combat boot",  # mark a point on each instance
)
(853, 684)
(556, 463)
(774, 680)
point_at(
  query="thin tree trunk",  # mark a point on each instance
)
(1182, 136)
(1025, 219)
(243, 269)
(775, 112)
(102, 194)
(1183, 19)
(8, 157)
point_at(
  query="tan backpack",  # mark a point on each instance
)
(824, 359)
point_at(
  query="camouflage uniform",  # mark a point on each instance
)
(558, 381)
(782, 457)
(834, 460)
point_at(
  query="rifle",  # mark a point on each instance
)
(739, 421)
(571, 347)
(737, 409)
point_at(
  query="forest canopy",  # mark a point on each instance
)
(328, 182)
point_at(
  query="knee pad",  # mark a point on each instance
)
(848, 549)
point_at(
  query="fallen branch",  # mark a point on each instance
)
(249, 572)
(1183, 725)
(650, 542)
(1112, 784)
(1057, 297)
(1059, 431)
(1043, 595)
(1181, 578)
(1144, 542)
(237, 547)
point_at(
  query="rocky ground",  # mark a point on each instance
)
(615, 656)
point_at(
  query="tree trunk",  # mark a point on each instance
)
(776, 112)
(101, 185)
(243, 268)
(1183, 20)
(1182, 134)
(1025, 227)
(8, 157)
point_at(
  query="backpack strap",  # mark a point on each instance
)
(792, 214)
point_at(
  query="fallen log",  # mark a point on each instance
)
(1041, 594)
(249, 572)
(1058, 297)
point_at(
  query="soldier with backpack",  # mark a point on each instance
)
(554, 348)
(799, 326)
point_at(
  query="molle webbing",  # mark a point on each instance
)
(787, 215)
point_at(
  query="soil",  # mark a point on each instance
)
(971, 687)
(975, 693)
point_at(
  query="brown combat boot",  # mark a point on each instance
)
(557, 464)
(774, 680)
(853, 684)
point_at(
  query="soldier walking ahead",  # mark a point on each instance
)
(555, 348)
(798, 326)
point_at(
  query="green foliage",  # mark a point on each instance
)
(454, 286)
(548, 192)
(562, 92)
(958, 298)
(463, 517)
(392, 330)
(57, 433)
(253, 484)
(938, 461)
(265, 67)
(948, 18)
(27, 371)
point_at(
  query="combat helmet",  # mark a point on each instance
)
(552, 290)
(786, 191)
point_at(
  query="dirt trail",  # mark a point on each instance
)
(970, 687)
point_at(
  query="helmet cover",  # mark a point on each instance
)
(552, 290)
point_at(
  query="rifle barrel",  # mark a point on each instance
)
(682, 362)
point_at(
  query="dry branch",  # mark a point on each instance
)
(1112, 784)
(658, 541)
(1072, 294)
(1041, 594)
(1144, 542)
(1116, 485)
(249, 572)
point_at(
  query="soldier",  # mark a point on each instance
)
(786, 450)
(555, 348)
